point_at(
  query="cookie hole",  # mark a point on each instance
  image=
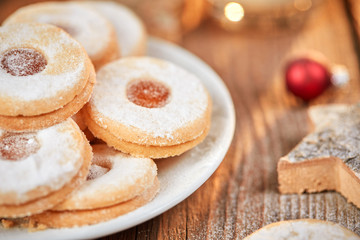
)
(18, 146)
(96, 171)
(99, 167)
(66, 27)
(148, 93)
(23, 62)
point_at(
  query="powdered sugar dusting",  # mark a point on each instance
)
(65, 61)
(17, 146)
(336, 136)
(129, 35)
(23, 62)
(96, 171)
(303, 229)
(329, 206)
(56, 161)
(117, 176)
(87, 25)
(188, 100)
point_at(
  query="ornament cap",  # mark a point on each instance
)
(340, 75)
(309, 73)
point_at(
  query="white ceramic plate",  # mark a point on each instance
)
(179, 176)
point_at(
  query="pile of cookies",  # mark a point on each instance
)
(83, 61)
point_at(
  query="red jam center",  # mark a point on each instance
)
(149, 94)
(17, 146)
(23, 62)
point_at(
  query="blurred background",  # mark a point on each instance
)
(172, 19)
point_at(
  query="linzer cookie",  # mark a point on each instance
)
(90, 28)
(309, 229)
(39, 169)
(45, 76)
(79, 119)
(131, 36)
(328, 158)
(148, 107)
(117, 184)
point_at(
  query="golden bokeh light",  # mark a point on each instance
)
(234, 11)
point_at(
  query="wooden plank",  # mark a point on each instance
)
(242, 195)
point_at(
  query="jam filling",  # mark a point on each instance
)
(147, 93)
(18, 146)
(23, 62)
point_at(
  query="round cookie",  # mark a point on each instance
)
(67, 219)
(45, 76)
(310, 229)
(46, 166)
(132, 35)
(143, 150)
(148, 107)
(114, 177)
(117, 183)
(79, 119)
(90, 28)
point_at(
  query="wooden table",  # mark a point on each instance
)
(242, 196)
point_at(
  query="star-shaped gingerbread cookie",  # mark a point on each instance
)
(329, 157)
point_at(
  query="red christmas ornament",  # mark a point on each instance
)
(307, 78)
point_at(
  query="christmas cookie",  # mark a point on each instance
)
(148, 107)
(39, 169)
(91, 29)
(132, 35)
(45, 76)
(79, 119)
(117, 184)
(309, 229)
(328, 158)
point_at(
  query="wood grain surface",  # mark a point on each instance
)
(242, 195)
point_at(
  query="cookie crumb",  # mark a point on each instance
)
(6, 223)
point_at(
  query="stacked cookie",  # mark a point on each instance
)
(40, 168)
(46, 76)
(75, 20)
(148, 108)
(117, 183)
(50, 176)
